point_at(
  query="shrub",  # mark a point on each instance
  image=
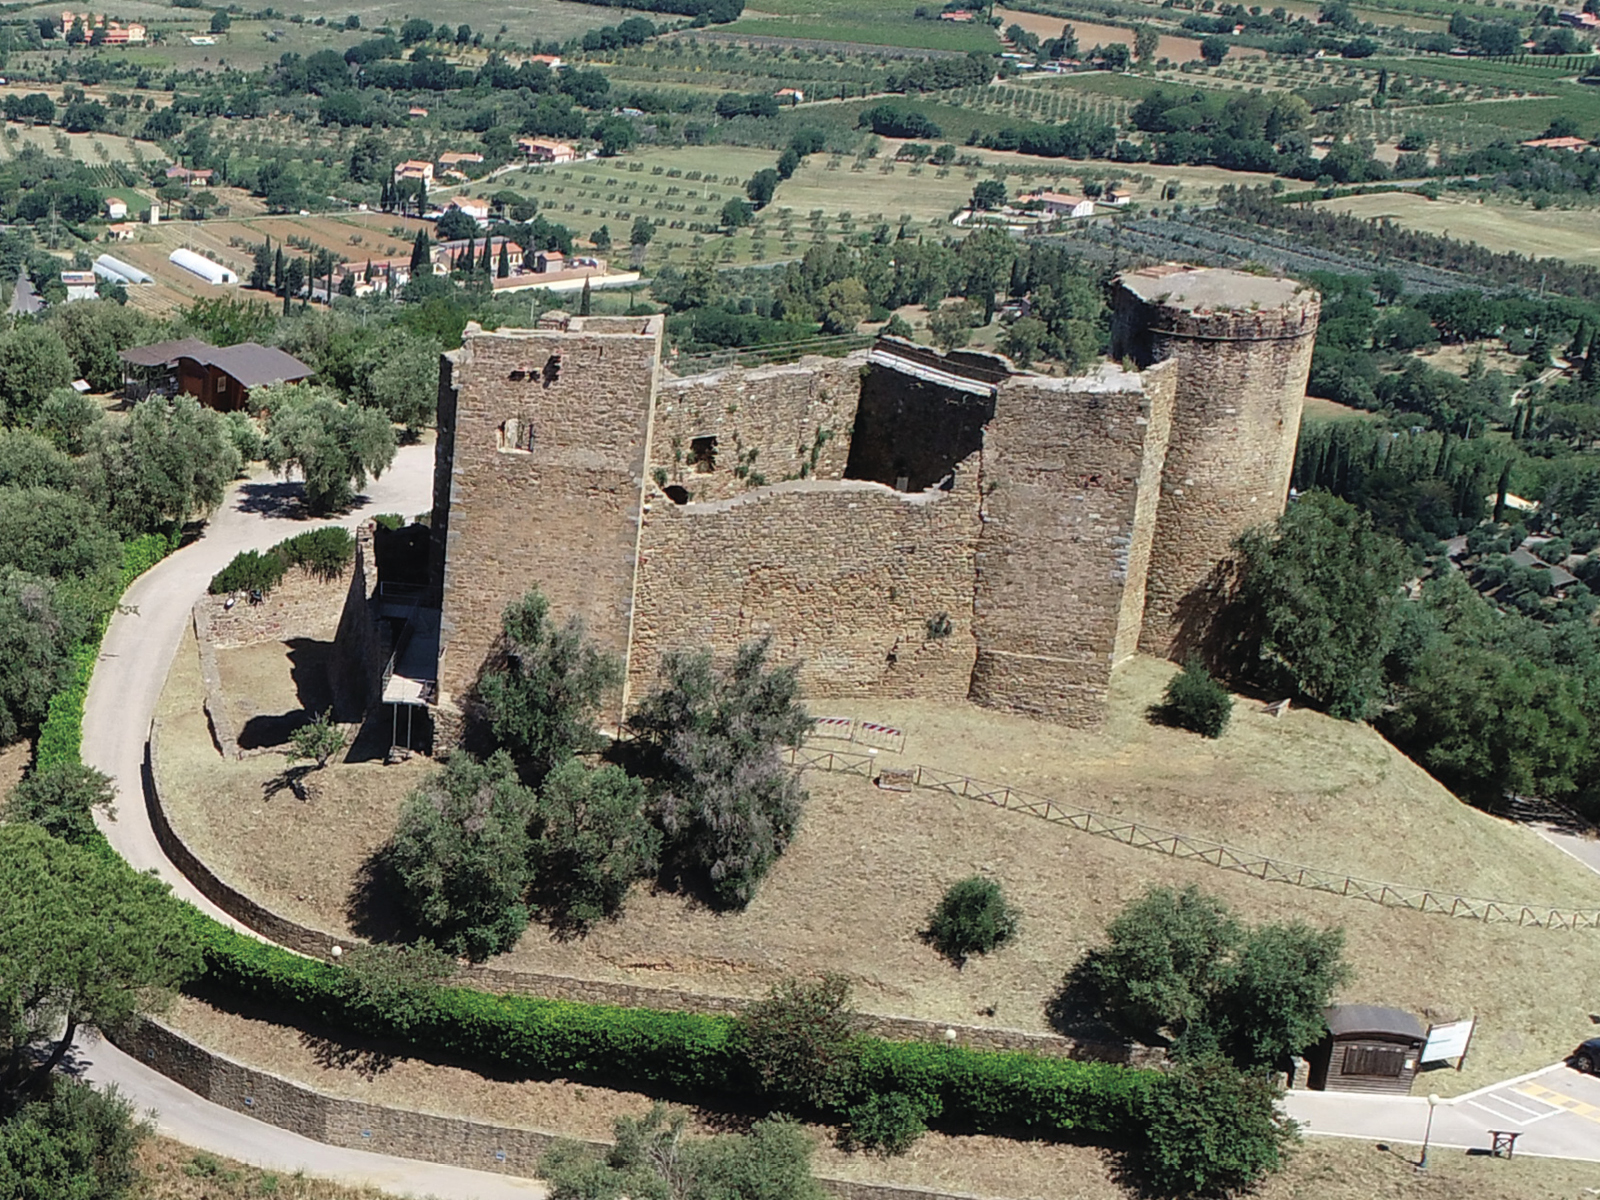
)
(542, 686)
(973, 918)
(316, 741)
(801, 1041)
(61, 797)
(1210, 1129)
(250, 571)
(325, 552)
(594, 841)
(1196, 702)
(461, 853)
(727, 801)
(889, 1124)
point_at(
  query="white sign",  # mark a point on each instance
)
(1447, 1041)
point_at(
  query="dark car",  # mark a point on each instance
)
(1587, 1057)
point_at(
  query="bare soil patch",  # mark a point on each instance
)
(169, 1170)
(1303, 788)
(14, 760)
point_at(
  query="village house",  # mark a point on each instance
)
(960, 15)
(219, 377)
(416, 111)
(1115, 198)
(378, 274)
(544, 151)
(121, 232)
(1575, 144)
(194, 178)
(115, 33)
(413, 169)
(80, 285)
(478, 210)
(1059, 204)
(457, 158)
(790, 96)
(116, 210)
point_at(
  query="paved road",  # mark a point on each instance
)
(138, 648)
(1555, 1112)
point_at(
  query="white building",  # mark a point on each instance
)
(116, 209)
(1059, 204)
(80, 285)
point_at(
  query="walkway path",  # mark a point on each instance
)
(139, 646)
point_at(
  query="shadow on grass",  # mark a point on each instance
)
(373, 908)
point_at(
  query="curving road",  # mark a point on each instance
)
(139, 646)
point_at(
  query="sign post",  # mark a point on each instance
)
(1449, 1041)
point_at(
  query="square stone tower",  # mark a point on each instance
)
(543, 440)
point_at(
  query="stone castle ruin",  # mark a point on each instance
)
(906, 523)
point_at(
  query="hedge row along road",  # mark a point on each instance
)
(138, 648)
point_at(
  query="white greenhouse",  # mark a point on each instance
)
(117, 271)
(199, 264)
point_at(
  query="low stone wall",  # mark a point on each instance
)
(300, 603)
(318, 944)
(403, 1133)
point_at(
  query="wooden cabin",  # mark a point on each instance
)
(1368, 1049)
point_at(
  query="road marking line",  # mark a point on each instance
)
(1498, 1115)
(1562, 1102)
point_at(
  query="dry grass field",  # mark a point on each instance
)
(1319, 1169)
(1552, 233)
(170, 1170)
(1303, 788)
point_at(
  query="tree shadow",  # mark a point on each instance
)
(373, 908)
(290, 779)
(283, 499)
(1075, 1009)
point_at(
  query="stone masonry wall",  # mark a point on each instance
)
(1236, 418)
(549, 442)
(856, 580)
(1062, 465)
(302, 604)
(1160, 384)
(797, 418)
(404, 1133)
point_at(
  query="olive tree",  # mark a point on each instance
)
(333, 445)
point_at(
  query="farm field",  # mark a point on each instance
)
(826, 197)
(1090, 34)
(1304, 788)
(227, 241)
(889, 29)
(1571, 234)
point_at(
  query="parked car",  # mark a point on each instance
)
(1586, 1057)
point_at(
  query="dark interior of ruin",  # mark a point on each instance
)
(911, 433)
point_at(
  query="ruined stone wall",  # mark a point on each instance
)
(1160, 384)
(1236, 417)
(797, 418)
(301, 605)
(547, 451)
(1062, 466)
(870, 587)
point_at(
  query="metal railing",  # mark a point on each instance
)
(1216, 854)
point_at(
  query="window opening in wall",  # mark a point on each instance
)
(677, 493)
(514, 436)
(552, 369)
(703, 454)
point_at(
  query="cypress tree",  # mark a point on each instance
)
(504, 268)
(419, 251)
(583, 301)
(1591, 360)
(1580, 341)
(486, 265)
(277, 271)
(471, 256)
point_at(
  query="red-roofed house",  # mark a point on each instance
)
(1559, 143)
(959, 14)
(200, 178)
(790, 95)
(541, 150)
(414, 169)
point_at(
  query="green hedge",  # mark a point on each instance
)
(325, 552)
(61, 735)
(636, 1049)
(645, 1050)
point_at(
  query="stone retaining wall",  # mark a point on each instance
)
(301, 603)
(403, 1133)
(318, 944)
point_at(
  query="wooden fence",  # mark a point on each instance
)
(1216, 854)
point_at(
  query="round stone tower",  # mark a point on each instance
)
(1242, 345)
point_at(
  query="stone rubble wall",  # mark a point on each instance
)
(787, 414)
(301, 604)
(868, 588)
(403, 1133)
(1062, 467)
(558, 508)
